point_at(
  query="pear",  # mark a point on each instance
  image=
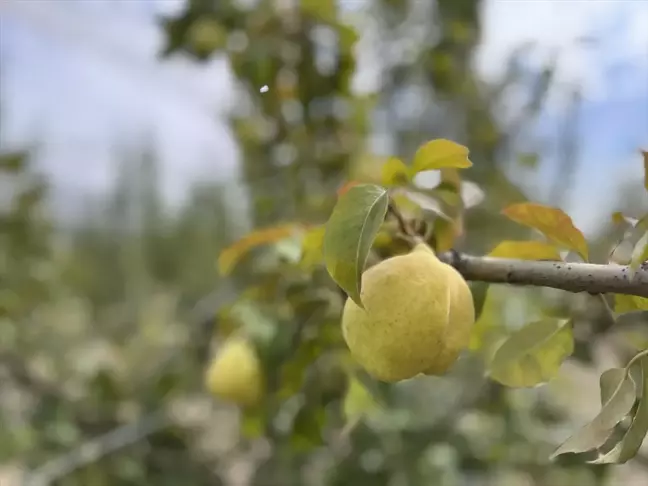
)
(235, 374)
(417, 317)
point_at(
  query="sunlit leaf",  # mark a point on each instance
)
(312, 247)
(640, 252)
(394, 173)
(619, 394)
(446, 232)
(322, 10)
(628, 303)
(526, 250)
(233, 254)
(533, 355)
(349, 234)
(629, 445)
(358, 401)
(439, 154)
(552, 222)
(643, 255)
(347, 37)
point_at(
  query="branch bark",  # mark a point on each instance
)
(572, 277)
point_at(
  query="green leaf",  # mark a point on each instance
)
(311, 250)
(307, 428)
(618, 394)
(629, 303)
(629, 445)
(526, 250)
(253, 423)
(552, 222)
(640, 252)
(488, 331)
(358, 401)
(394, 173)
(440, 154)
(533, 354)
(13, 162)
(322, 10)
(349, 234)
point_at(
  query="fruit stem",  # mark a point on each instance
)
(407, 231)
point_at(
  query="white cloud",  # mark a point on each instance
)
(88, 76)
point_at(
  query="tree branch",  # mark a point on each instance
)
(94, 450)
(572, 277)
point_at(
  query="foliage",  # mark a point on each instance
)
(107, 329)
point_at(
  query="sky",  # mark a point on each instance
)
(83, 75)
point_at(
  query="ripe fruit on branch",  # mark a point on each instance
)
(417, 318)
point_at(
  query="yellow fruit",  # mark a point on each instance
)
(417, 318)
(235, 373)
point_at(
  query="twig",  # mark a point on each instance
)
(94, 450)
(572, 277)
(402, 223)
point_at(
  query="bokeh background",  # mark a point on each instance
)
(141, 137)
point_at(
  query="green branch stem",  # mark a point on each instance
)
(571, 277)
(636, 358)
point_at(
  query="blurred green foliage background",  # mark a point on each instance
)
(106, 326)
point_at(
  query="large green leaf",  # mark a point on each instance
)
(533, 354)
(629, 445)
(552, 222)
(349, 234)
(618, 394)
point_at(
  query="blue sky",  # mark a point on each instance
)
(83, 75)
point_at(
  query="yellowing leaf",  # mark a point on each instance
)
(525, 250)
(618, 217)
(629, 445)
(349, 234)
(394, 173)
(533, 355)
(446, 232)
(312, 248)
(618, 394)
(345, 187)
(231, 255)
(628, 303)
(440, 154)
(552, 222)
